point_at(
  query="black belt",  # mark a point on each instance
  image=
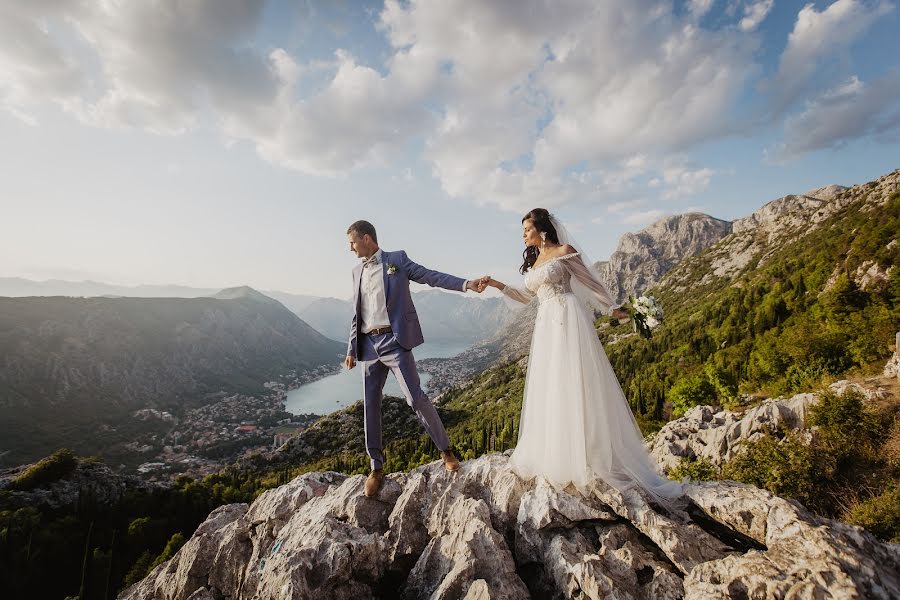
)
(379, 331)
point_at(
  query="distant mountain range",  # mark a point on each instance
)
(446, 317)
(74, 369)
(17, 286)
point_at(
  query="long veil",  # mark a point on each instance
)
(578, 288)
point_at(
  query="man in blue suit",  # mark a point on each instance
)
(384, 330)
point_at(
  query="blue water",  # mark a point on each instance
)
(343, 389)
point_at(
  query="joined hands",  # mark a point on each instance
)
(480, 284)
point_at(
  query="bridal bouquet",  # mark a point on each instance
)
(646, 314)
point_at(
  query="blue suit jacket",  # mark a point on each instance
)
(401, 312)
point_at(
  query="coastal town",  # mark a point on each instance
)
(454, 371)
(226, 428)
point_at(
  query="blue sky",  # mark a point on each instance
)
(223, 142)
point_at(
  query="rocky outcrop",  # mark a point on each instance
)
(892, 368)
(642, 258)
(90, 483)
(758, 236)
(484, 533)
(716, 436)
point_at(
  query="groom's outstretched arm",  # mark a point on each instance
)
(419, 274)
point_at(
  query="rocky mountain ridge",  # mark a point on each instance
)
(642, 258)
(716, 435)
(758, 236)
(485, 533)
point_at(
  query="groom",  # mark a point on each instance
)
(384, 330)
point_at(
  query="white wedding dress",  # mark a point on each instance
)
(576, 424)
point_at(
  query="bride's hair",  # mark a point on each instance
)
(540, 218)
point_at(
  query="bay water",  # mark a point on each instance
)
(343, 389)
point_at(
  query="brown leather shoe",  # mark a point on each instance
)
(450, 462)
(373, 482)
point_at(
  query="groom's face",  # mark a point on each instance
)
(362, 246)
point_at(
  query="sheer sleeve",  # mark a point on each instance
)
(522, 295)
(592, 289)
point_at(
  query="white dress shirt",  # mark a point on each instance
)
(373, 302)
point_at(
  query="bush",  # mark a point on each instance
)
(695, 469)
(689, 392)
(58, 465)
(787, 467)
(880, 515)
(840, 417)
(174, 545)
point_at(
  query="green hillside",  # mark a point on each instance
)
(75, 369)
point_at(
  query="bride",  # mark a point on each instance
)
(576, 425)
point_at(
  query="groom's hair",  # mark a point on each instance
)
(361, 228)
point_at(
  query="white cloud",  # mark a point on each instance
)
(754, 13)
(849, 111)
(643, 217)
(576, 90)
(680, 180)
(35, 65)
(698, 8)
(519, 103)
(617, 207)
(819, 35)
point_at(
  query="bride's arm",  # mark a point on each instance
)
(523, 295)
(599, 294)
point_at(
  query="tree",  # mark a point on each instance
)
(691, 391)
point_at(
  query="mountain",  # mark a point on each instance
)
(296, 303)
(642, 258)
(485, 533)
(331, 316)
(17, 286)
(445, 317)
(74, 369)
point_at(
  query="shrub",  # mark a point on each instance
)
(880, 515)
(689, 392)
(695, 469)
(58, 465)
(787, 467)
(174, 545)
(840, 417)
(724, 384)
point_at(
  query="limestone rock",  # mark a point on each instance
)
(805, 556)
(483, 533)
(716, 436)
(642, 258)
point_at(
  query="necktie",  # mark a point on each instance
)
(371, 261)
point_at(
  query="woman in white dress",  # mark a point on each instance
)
(576, 424)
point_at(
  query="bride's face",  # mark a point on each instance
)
(530, 234)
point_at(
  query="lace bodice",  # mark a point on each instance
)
(553, 280)
(549, 280)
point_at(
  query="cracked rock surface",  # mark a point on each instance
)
(482, 533)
